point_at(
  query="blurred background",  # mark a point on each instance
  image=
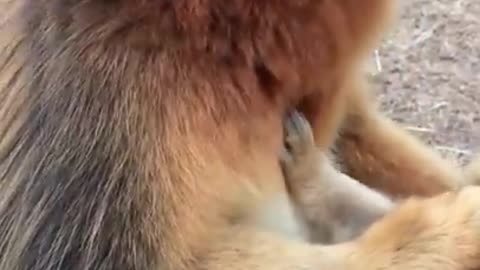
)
(430, 74)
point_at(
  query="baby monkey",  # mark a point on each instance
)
(333, 206)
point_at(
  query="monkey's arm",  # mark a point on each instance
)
(382, 155)
(401, 239)
(335, 207)
(419, 234)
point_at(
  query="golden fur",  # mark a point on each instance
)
(381, 154)
(334, 207)
(146, 135)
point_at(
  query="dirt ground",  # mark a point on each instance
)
(430, 78)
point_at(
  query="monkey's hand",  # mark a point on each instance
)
(300, 155)
(336, 207)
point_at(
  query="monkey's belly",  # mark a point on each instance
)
(277, 215)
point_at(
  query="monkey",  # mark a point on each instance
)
(335, 207)
(146, 135)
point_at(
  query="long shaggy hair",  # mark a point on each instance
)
(129, 129)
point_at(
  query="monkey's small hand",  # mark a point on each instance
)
(300, 149)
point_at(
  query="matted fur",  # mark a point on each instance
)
(142, 134)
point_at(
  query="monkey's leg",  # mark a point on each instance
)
(335, 207)
(420, 234)
(382, 155)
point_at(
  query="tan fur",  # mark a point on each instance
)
(381, 154)
(472, 172)
(146, 135)
(335, 207)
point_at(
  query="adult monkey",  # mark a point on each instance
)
(125, 142)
